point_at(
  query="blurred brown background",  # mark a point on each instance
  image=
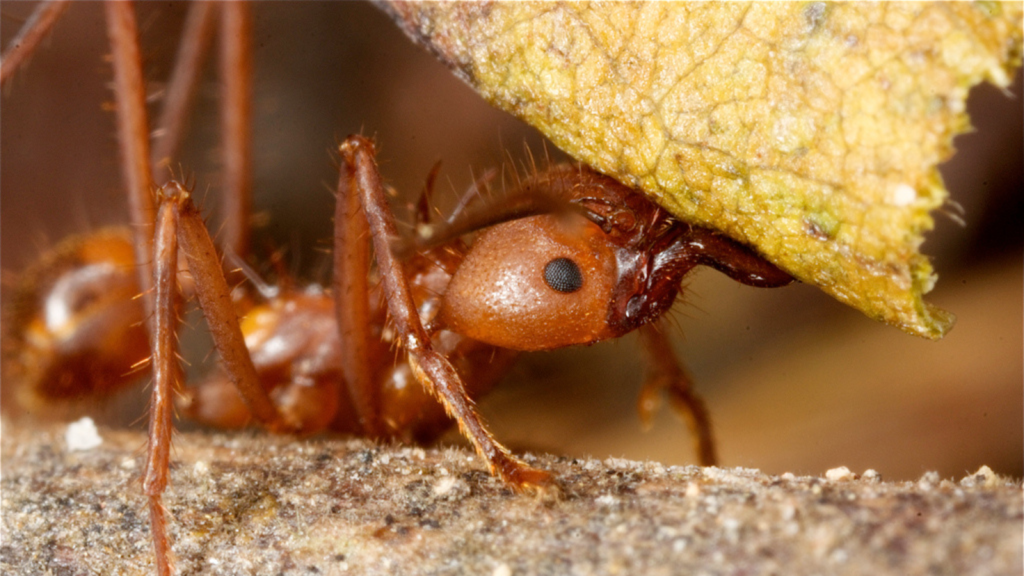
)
(796, 382)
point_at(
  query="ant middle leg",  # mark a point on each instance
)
(214, 297)
(179, 222)
(360, 182)
(166, 378)
(182, 87)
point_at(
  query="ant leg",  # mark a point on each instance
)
(433, 371)
(667, 374)
(215, 300)
(351, 300)
(423, 205)
(166, 379)
(236, 113)
(181, 87)
(133, 137)
(31, 34)
(734, 260)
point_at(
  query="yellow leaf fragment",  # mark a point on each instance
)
(811, 131)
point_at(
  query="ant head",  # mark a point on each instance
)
(582, 274)
(532, 284)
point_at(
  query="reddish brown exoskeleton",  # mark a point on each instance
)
(568, 256)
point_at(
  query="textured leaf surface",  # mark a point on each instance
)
(811, 131)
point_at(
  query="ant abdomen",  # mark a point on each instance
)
(73, 327)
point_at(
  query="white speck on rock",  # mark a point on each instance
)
(655, 468)
(984, 477)
(502, 570)
(928, 481)
(840, 474)
(618, 463)
(82, 435)
(444, 485)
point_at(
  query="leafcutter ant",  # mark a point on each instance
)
(566, 257)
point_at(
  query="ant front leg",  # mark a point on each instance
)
(704, 247)
(667, 374)
(360, 178)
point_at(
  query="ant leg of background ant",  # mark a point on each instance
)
(236, 113)
(431, 368)
(181, 88)
(667, 374)
(133, 136)
(35, 29)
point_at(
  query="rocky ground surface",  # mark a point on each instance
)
(257, 504)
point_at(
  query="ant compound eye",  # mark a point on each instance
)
(563, 275)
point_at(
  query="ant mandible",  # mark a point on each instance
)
(567, 257)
